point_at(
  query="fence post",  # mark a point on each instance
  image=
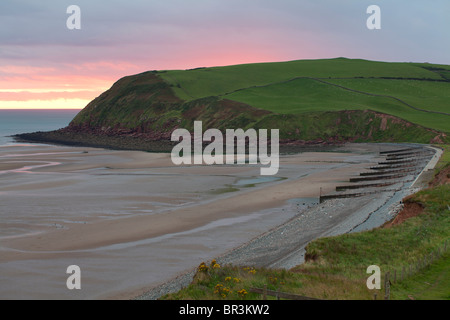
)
(386, 286)
(265, 292)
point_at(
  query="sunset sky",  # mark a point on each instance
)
(43, 64)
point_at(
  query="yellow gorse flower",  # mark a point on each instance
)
(202, 267)
(242, 293)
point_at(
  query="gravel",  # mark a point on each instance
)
(283, 247)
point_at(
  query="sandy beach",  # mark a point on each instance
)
(132, 220)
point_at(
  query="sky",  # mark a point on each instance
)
(44, 64)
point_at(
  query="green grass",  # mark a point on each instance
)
(339, 264)
(391, 247)
(395, 247)
(304, 99)
(433, 283)
(427, 95)
(302, 96)
(204, 82)
(360, 126)
(295, 87)
(444, 161)
(309, 95)
(336, 267)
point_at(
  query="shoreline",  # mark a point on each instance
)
(82, 237)
(254, 252)
(137, 143)
(259, 251)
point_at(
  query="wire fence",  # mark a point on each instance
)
(397, 275)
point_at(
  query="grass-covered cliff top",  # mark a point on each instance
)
(318, 101)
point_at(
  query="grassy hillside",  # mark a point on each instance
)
(334, 100)
(305, 95)
(336, 266)
(410, 91)
(203, 82)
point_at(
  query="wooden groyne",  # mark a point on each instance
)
(363, 186)
(396, 168)
(405, 170)
(397, 151)
(383, 177)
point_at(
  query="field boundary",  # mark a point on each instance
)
(391, 277)
(278, 294)
(322, 80)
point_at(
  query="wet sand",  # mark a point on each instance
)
(132, 220)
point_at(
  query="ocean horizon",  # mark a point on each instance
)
(16, 121)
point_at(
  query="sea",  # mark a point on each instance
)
(25, 121)
(46, 189)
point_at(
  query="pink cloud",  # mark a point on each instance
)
(50, 95)
(24, 70)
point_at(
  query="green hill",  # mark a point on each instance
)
(331, 100)
(327, 85)
(203, 82)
